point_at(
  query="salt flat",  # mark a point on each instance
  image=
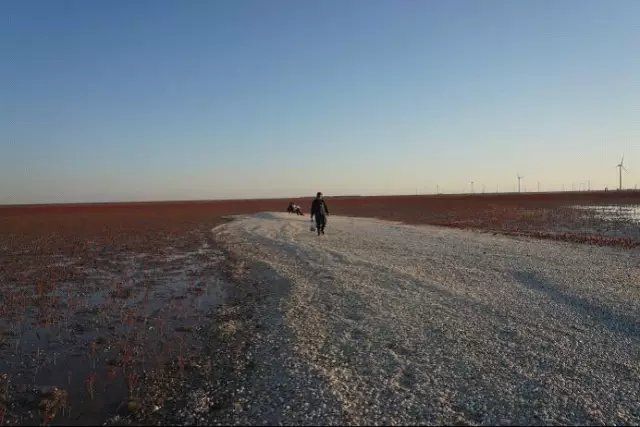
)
(380, 322)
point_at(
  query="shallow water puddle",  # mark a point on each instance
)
(81, 351)
(614, 212)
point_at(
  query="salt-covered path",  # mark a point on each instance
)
(394, 324)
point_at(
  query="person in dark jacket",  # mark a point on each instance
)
(320, 211)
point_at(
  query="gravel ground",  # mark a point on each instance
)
(383, 323)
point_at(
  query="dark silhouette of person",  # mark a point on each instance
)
(320, 211)
(293, 208)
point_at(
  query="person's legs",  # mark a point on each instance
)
(319, 223)
(324, 223)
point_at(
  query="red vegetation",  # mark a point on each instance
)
(72, 229)
(539, 215)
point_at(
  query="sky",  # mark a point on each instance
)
(161, 100)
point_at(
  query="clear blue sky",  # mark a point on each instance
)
(147, 100)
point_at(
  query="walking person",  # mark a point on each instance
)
(320, 211)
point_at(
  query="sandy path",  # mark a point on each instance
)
(419, 324)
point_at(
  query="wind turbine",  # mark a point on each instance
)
(519, 178)
(471, 187)
(620, 166)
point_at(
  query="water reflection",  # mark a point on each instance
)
(614, 212)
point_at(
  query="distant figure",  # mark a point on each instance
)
(320, 211)
(293, 208)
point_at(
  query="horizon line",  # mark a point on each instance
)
(122, 202)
